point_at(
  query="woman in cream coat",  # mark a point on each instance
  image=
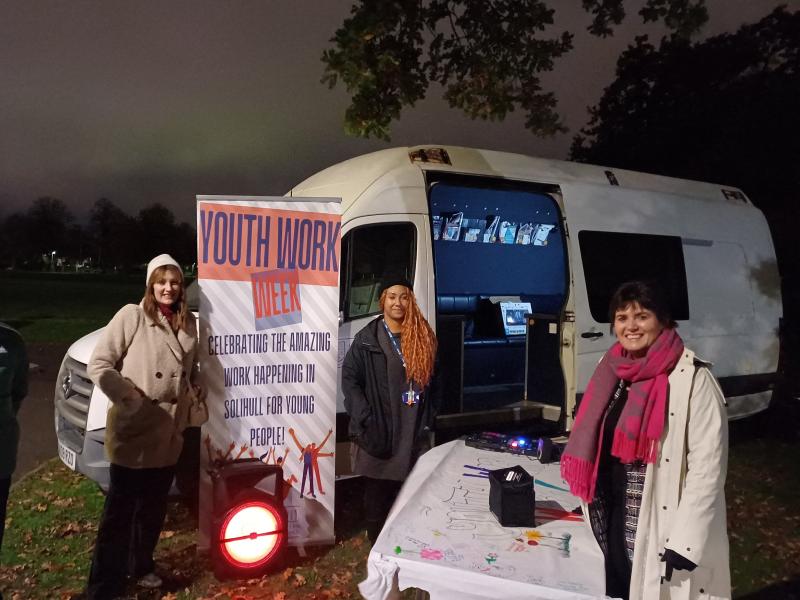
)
(144, 362)
(648, 457)
(683, 501)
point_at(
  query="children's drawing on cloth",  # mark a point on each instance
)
(426, 553)
(533, 538)
(416, 547)
(495, 569)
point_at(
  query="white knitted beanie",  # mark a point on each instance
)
(162, 260)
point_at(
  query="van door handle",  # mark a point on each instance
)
(591, 334)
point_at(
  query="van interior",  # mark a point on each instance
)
(501, 282)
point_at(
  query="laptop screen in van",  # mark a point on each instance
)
(514, 316)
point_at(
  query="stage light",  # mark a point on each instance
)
(249, 521)
(250, 534)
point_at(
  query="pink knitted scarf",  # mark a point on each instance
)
(641, 422)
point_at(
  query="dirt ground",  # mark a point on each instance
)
(37, 432)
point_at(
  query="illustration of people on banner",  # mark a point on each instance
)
(309, 455)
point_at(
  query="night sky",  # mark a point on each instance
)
(157, 101)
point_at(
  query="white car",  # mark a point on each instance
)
(80, 416)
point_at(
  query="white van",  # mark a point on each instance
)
(514, 259)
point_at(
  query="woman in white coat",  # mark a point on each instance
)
(145, 361)
(648, 456)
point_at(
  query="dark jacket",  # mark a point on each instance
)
(13, 389)
(365, 385)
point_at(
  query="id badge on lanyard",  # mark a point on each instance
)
(410, 397)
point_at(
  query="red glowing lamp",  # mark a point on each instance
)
(249, 521)
(244, 543)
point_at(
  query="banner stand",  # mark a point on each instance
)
(268, 273)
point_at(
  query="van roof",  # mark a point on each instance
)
(349, 179)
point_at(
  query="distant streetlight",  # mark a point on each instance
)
(53, 260)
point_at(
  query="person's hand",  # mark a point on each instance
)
(676, 562)
(291, 431)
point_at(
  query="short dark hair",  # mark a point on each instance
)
(647, 294)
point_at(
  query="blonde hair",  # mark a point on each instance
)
(418, 342)
(150, 304)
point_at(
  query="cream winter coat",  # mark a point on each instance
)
(143, 369)
(683, 502)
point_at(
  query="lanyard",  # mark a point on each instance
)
(394, 343)
(409, 398)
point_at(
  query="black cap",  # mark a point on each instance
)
(396, 280)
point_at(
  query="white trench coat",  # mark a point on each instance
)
(683, 502)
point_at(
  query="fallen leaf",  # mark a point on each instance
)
(69, 529)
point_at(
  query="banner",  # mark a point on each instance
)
(268, 270)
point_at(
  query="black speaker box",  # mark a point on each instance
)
(236, 483)
(511, 497)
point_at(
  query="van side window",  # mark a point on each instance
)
(610, 259)
(372, 254)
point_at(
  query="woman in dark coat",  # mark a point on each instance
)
(13, 389)
(386, 379)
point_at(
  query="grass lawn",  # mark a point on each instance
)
(762, 490)
(62, 307)
(53, 516)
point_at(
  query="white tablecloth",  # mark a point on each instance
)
(441, 536)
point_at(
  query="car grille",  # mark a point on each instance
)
(72, 395)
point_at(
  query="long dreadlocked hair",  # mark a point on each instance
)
(418, 342)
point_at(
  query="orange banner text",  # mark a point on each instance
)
(236, 241)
